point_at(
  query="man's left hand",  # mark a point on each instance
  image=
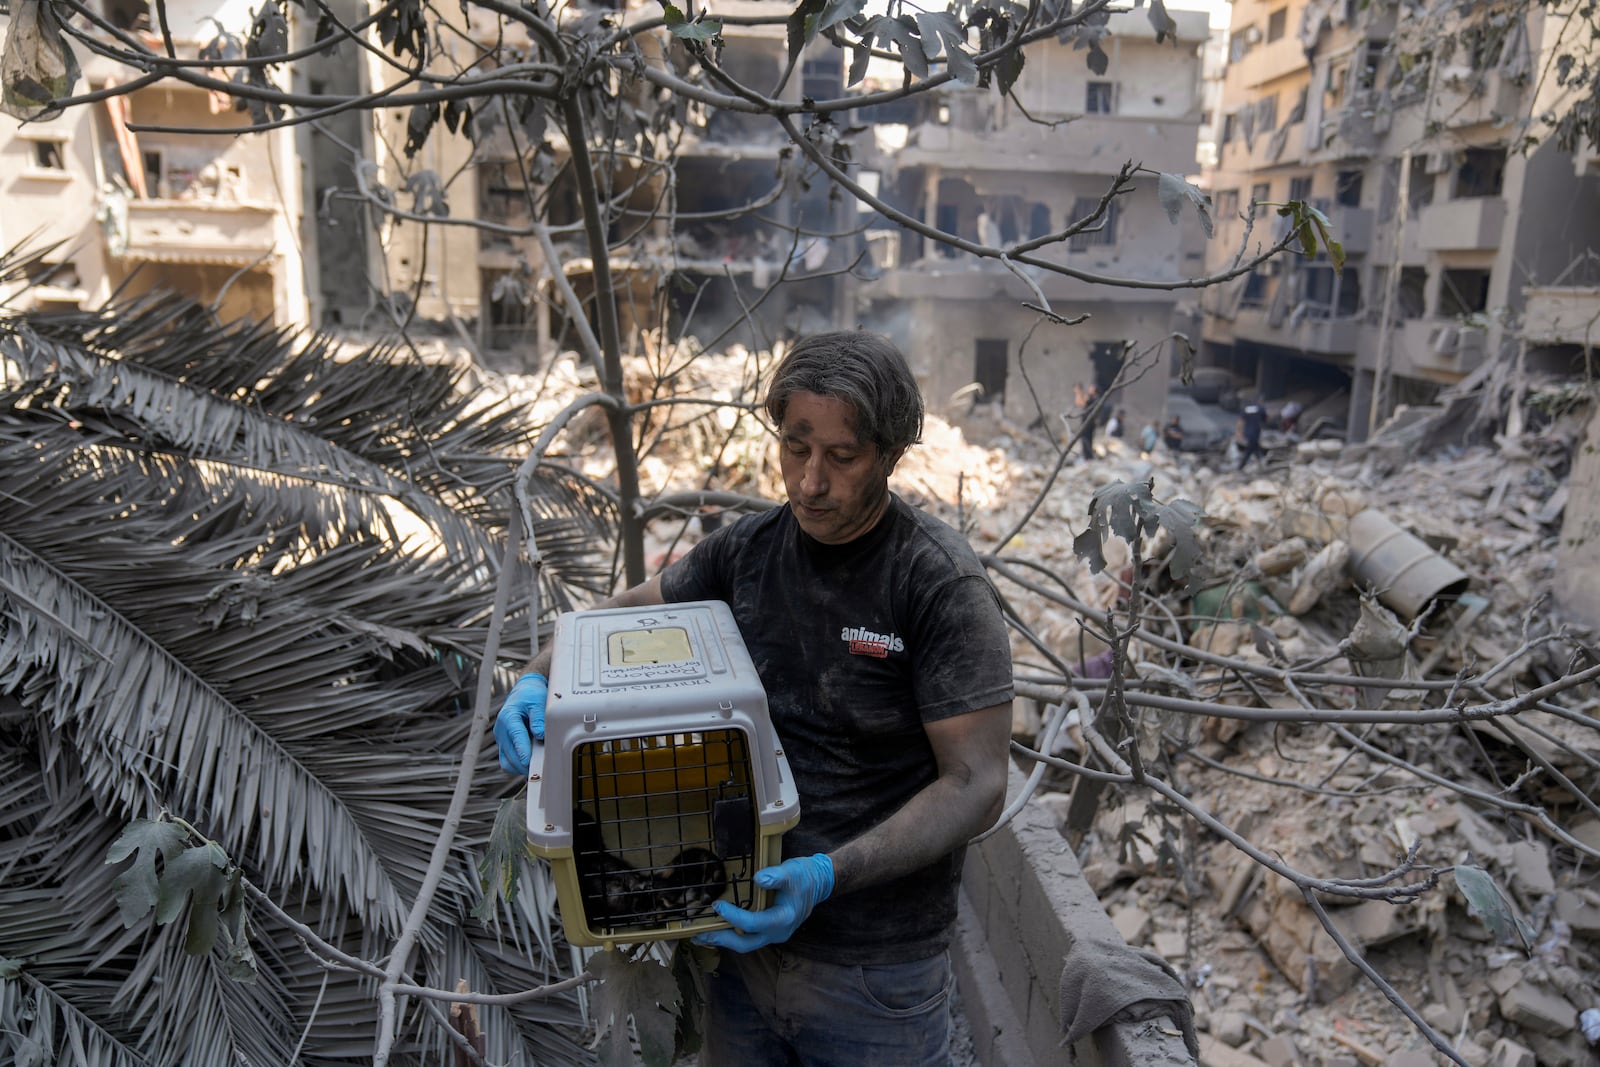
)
(800, 884)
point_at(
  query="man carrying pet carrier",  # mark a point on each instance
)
(887, 667)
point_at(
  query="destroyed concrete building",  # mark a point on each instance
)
(1402, 125)
(704, 240)
(998, 170)
(210, 215)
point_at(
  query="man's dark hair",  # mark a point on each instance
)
(866, 371)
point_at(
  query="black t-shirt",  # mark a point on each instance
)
(858, 645)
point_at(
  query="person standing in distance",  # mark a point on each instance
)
(887, 666)
(1248, 432)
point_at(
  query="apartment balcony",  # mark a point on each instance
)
(1561, 315)
(200, 231)
(1093, 144)
(1464, 97)
(1269, 62)
(1440, 350)
(1315, 334)
(1468, 224)
(982, 280)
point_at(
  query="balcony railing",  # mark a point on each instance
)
(1561, 315)
(1093, 144)
(1468, 224)
(200, 231)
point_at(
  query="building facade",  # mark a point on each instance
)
(1408, 130)
(188, 203)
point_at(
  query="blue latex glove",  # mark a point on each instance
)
(521, 722)
(801, 884)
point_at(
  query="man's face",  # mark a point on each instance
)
(838, 488)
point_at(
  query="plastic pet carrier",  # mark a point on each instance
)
(660, 787)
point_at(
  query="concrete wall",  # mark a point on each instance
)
(1578, 558)
(940, 339)
(1024, 903)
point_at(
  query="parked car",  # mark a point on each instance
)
(1206, 427)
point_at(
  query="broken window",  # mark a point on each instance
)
(1105, 234)
(1298, 112)
(1300, 187)
(1039, 221)
(1330, 293)
(989, 366)
(1420, 192)
(822, 78)
(1261, 192)
(1347, 188)
(1267, 113)
(1367, 70)
(1239, 44)
(1099, 98)
(1228, 122)
(1255, 290)
(1463, 291)
(50, 155)
(1411, 299)
(1482, 173)
(1227, 203)
(1277, 24)
(127, 14)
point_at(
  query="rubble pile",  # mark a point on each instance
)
(1368, 570)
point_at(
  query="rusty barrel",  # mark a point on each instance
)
(1408, 575)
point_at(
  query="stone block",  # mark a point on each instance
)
(1132, 923)
(1228, 1027)
(1214, 1053)
(1279, 1051)
(1538, 1009)
(1507, 1053)
(1530, 870)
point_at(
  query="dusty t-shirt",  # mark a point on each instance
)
(858, 645)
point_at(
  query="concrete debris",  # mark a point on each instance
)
(1274, 587)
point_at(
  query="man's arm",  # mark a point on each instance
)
(963, 801)
(644, 595)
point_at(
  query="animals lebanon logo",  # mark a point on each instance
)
(864, 642)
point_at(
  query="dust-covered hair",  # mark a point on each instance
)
(866, 371)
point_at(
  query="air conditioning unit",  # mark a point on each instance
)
(1438, 163)
(1444, 340)
(1470, 345)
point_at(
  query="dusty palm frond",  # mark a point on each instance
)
(376, 423)
(250, 584)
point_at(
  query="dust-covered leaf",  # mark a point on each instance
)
(1097, 59)
(838, 11)
(1165, 25)
(9, 968)
(802, 26)
(502, 860)
(138, 888)
(199, 878)
(1175, 192)
(1486, 901)
(643, 991)
(1130, 511)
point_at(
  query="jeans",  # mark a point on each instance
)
(771, 1008)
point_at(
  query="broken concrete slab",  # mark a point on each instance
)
(1538, 1009)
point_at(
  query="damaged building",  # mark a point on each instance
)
(1466, 247)
(998, 171)
(736, 242)
(187, 204)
